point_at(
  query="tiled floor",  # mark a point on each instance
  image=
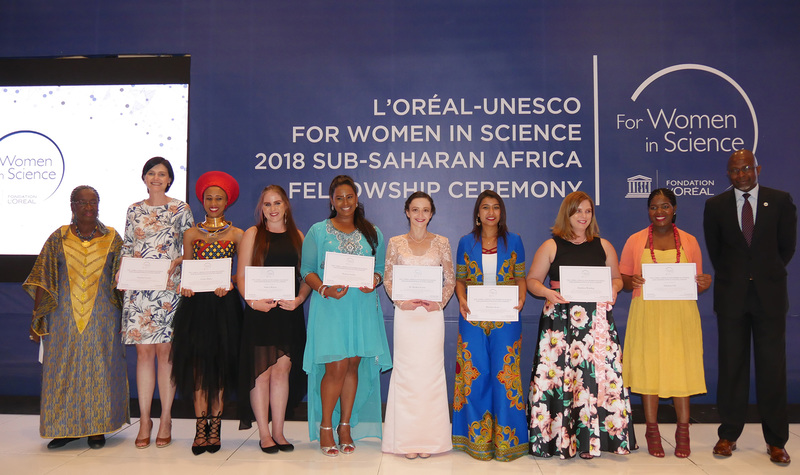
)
(23, 452)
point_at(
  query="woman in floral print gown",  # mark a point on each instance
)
(577, 402)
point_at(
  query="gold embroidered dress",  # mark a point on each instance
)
(84, 374)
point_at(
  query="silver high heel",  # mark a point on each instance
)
(330, 451)
(346, 449)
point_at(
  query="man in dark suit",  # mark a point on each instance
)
(750, 232)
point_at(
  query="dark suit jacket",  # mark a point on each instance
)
(773, 245)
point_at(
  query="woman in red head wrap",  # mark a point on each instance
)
(206, 339)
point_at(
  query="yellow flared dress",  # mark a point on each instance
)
(663, 351)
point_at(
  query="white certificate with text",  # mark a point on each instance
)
(493, 303)
(206, 275)
(417, 282)
(585, 283)
(143, 274)
(669, 281)
(349, 269)
(269, 283)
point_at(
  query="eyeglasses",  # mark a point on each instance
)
(745, 169)
(84, 203)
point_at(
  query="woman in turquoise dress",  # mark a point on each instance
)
(346, 347)
(205, 346)
(489, 405)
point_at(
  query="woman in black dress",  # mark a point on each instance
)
(205, 347)
(273, 331)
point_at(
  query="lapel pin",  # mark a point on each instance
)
(766, 204)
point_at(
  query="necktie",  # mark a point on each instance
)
(747, 219)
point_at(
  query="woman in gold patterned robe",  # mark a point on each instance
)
(76, 314)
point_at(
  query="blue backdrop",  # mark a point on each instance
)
(532, 99)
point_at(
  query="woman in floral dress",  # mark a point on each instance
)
(577, 402)
(154, 230)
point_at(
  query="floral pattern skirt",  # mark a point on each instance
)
(577, 402)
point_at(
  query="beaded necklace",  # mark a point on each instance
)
(677, 242)
(85, 241)
(213, 228)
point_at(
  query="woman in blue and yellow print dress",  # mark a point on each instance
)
(346, 347)
(205, 353)
(77, 315)
(489, 406)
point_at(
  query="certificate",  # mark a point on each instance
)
(269, 283)
(585, 283)
(206, 275)
(669, 281)
(349, 269)
(417, 282)
(493, 303)
(143, 274)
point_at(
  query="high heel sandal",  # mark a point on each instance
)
(346, 449)
(682, 444)
(214, 429)
(330, 451)
(653, 438)
(144, 442)
(200, 436)
(162, 442)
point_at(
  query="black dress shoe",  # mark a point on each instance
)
(273, 449)
(285, 447)
(58, 443)
(97, 441)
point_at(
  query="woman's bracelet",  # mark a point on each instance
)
(380, 279)
(321, 290)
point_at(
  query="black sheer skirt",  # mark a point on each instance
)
(205, 346)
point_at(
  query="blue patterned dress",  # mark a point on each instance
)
(489, 405)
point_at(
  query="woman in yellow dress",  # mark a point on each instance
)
(663, 350)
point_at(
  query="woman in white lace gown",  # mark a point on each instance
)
(417, 412)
